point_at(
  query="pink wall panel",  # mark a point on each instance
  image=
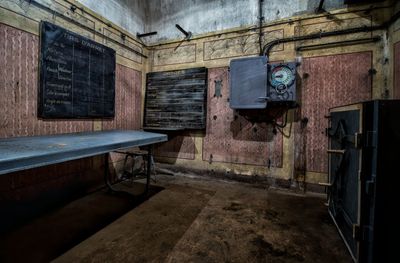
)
(19, 54)
(230, 137)
(179, 146)
(396, 92)
(19, 88)
(329, 81)
(128, 101)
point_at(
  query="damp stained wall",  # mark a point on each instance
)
(128, 14)
(326, 78)
(287, 156)
(197, 16)
(200, 17)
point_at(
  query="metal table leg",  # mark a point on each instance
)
(148, 169)
(107, 173)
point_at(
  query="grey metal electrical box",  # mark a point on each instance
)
(248, 83)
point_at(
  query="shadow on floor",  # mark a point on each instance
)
(50, 235)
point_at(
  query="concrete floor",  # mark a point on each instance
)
(206, 220)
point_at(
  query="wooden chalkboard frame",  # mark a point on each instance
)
(193, 83)
(67, 63)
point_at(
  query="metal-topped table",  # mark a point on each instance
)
(20, 153)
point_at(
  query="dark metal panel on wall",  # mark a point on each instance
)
(230, 137)
(329, 81)
(19, 58)
(176, 99)
(128, 100)
(396, 85)
(77, 75)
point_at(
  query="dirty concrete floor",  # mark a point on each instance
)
(200, 219)
(207, 220)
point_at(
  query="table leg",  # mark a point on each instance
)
(148, 169)
(107, 173)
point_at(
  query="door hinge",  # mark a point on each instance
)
(356, 232)
(358, 138)
(370, 187)
(335, 151)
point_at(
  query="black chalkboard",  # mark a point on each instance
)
(77, 75)
(176, 99)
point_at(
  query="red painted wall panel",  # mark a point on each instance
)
(396, 92)
(329, 81)
(128, 100)
(230, 137)
(19, 53)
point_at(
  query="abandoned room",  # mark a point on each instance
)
(199, 130)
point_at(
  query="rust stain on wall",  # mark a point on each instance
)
(128, 100)
(329, 81)
(19, 88)
(230, 137)
(396, 88)
(181, 146)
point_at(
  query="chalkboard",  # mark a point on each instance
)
(176, 99)
(77, 75)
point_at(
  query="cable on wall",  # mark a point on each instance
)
(267, 47)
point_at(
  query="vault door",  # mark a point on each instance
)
(344, 166)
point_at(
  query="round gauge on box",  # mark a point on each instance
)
(281, 75)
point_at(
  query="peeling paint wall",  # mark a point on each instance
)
(128, 14)
(298, 147)
(213, 50)
(199, 16)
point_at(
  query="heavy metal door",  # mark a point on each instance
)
(344, 173)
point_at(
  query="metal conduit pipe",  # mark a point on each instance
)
(339, 43)
(261, 20)
(267, 48)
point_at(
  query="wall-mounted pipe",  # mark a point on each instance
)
(320, 7)
(146, 34)
(261, 20)
(267, 48)
(187, 34)
(56, 13)
(275, 23)
(339, 43)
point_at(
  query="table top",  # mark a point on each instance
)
(20, 153)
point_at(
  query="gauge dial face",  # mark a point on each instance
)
(282, 75)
